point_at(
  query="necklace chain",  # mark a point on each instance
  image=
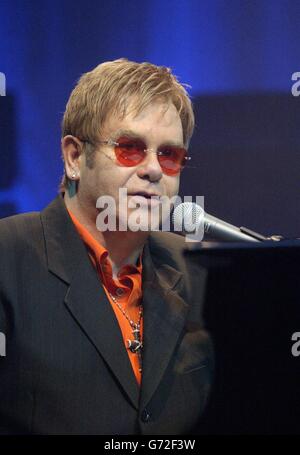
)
(136, 345)
(132, 324)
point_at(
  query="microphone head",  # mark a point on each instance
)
(187, 217)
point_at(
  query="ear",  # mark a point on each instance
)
(72, 152)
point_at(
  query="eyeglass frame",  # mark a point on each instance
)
(111, 142)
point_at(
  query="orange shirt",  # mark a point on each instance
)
(126, 288)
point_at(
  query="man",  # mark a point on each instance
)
(102, 328)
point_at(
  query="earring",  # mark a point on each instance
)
(74, 175)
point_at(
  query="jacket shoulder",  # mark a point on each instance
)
(20, 230)
(168, 250)
(168, 247)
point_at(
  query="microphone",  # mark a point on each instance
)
(189, 216)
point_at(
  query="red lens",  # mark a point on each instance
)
(130, 152)
(172, 159)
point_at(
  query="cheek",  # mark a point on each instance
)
(107, 178)
(95, 184)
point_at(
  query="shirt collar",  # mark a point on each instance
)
(99, 252)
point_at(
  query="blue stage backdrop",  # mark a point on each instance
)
(237, 55)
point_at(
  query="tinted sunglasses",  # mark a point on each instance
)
(130, 152)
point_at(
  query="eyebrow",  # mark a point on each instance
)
(134, 135)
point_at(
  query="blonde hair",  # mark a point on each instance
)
(111, 88)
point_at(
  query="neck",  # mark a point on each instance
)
(124, 247)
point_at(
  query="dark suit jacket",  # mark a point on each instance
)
(66, 369)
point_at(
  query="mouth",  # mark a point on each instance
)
(144, 194)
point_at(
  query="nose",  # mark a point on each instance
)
(150, 169)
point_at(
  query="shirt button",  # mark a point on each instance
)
(146, 416)
(119, 292)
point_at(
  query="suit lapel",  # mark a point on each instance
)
(164, 318)
(90, 307)
(85, 297)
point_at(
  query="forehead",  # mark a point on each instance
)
(158, 120)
